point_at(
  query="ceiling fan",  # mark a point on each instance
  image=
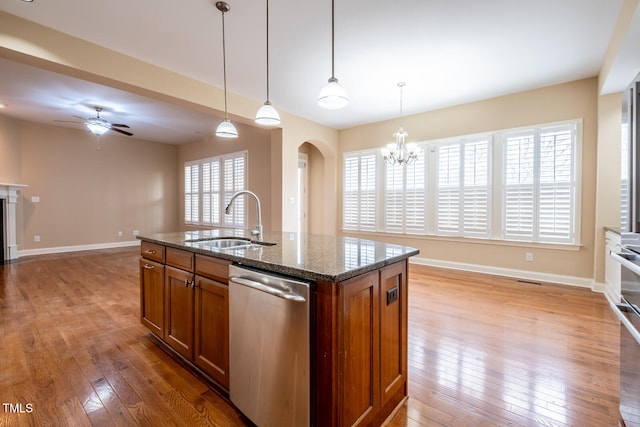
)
(99, 126)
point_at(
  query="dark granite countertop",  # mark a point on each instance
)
(307, 256)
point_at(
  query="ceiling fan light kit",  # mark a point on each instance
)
(226, 129)
(98, 126)
(333, 96)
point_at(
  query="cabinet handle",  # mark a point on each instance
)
(187, 283)
(194, 284)
(148, 267)
(150, 251)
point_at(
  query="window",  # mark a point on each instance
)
(519, 184)
(539, 194)
(404, 197)
(208, 187)
(463, 188)
(360, 198)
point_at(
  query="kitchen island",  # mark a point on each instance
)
(359, 324)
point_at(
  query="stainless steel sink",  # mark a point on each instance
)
(228, 242)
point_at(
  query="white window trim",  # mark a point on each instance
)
(240, 209)
(495, 210)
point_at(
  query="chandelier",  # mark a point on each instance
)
(400, 152)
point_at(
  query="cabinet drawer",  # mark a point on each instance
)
(180, 259)
(213, 268)
(152, 251)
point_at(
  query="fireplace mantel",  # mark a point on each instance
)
(10, 193)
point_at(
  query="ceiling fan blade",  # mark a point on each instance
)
(81, 118)
(121, 131)
(66, 121)
(119, 125)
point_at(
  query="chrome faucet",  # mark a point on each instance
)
(257, 231)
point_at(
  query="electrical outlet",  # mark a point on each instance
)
(36, 238)
(136, 232)
(392, 295)
(35, 199)
(119, 233)
(528, 256)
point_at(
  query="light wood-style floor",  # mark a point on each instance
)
(483, 351)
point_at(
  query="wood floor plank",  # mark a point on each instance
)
(483, 351)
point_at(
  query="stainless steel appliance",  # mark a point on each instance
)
(270, 347)
(630, 167)
(628, 311)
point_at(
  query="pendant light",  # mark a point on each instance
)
(333, 96)
(267, 115)
(226, 129)
(399, 153)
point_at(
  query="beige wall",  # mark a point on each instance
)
(257, 143)
(576, 100)
(87, 196)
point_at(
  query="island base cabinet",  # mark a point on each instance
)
(152, 296)
(362, 347)
(212, 329)
(361, 344)
(179, 301)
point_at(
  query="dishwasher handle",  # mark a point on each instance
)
(290, 296)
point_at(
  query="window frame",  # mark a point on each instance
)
(218, 192)
(496, 176)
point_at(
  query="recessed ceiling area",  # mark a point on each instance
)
(447, 52)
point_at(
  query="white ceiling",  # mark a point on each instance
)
(448, 53)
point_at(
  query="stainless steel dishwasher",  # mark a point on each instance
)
(270, 347)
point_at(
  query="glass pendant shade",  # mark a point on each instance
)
(333, 96)
(267, 115)
(98, 126)
(226, 129)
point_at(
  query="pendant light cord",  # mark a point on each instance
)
(224, 69)
(332, 39)
(267, 50)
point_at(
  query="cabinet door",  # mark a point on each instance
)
(152, 296)
(393, 332)
(212, 329)
(360, 394)
(179, 300)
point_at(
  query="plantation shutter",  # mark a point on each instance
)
(211, 191)
(233, 172)
(463, 188)
(476, 189)
(191, 192)
(404, 197)
(539, 196)
(448, 189)
(556, 184)
(359, 191)
(519, 186)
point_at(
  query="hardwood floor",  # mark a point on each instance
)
(483, 351)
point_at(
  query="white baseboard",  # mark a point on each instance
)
(60, 249)
(508, 272)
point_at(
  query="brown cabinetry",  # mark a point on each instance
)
(152, 296)
(188, 311)
(366, 327)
